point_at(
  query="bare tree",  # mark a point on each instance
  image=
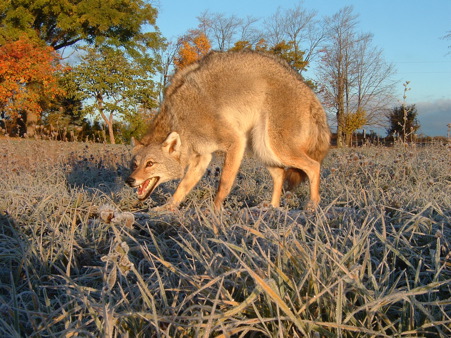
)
(336, 60)
(165, 56)
(249, 32)
(220, 30)
(372, 86)
(298, 26)
(447, 36)
(275, 28)
(352, 73)
(223, 31)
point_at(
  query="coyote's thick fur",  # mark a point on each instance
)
(231, 102)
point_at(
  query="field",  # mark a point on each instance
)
(80, 256)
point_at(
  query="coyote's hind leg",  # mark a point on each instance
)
(302, 161)
(277, 175)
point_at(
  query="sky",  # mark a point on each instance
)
(408, 31)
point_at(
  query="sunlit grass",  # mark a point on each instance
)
(374, 260)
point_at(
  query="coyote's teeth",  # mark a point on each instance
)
(146, 188)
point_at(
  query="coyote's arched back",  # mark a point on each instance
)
(231, 102)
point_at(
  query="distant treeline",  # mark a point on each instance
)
(362, 138)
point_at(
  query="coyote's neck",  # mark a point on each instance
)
(159, 129)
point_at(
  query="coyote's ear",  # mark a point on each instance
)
(136, 145)
(172, 144)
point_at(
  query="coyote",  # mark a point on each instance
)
(233, 102)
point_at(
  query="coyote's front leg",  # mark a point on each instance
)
(196, 168)
(230, 169)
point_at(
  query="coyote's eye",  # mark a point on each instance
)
(149, 164)
(134, 166)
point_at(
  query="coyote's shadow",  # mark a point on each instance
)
(94, 176)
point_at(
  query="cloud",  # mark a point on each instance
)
(434, 116)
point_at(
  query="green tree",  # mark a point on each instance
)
(63, 23)
(114, 86)
(403, 122)
(135, 125)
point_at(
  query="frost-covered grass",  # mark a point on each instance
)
(80, 256)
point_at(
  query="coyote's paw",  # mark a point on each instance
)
(266, 205)
(165, 207)
(311, 206)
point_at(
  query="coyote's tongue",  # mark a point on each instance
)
(143, 187)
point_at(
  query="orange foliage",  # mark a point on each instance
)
(27, 77)
(241, 45)
(192, 49)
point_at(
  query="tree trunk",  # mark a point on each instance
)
(111, 132)
(31, 121)
(340, 111)
(108, 121)
(340, 141)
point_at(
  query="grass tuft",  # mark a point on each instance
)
(80, 256)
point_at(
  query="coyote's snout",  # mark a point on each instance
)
(231, 102)
(155, 164)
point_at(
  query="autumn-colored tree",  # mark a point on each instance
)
(246, 45)
(193, 47)
(28, 81)
(285, 50)
(128, 25)
(290, 53)
(352, 122)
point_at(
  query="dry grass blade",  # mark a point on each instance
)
(373, 261)
(268, 287)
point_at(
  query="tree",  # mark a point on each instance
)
(403, 122)
(224, 31)
(113, 86)
(63, 23)
(291, 54)
(137, 126)
(165, 60)
(403, 119)
(352, 73)
(192, 48)
(28, 81)
(241, 45)
(220, 29)
(447, 36)
(285, 50)
(121, 24)
(335, 64)
(372, 86)
(297, 28)
(352, 122)
(292, 34)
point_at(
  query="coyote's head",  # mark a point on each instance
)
(154, 164)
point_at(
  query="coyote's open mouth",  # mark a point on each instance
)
(146, 188)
